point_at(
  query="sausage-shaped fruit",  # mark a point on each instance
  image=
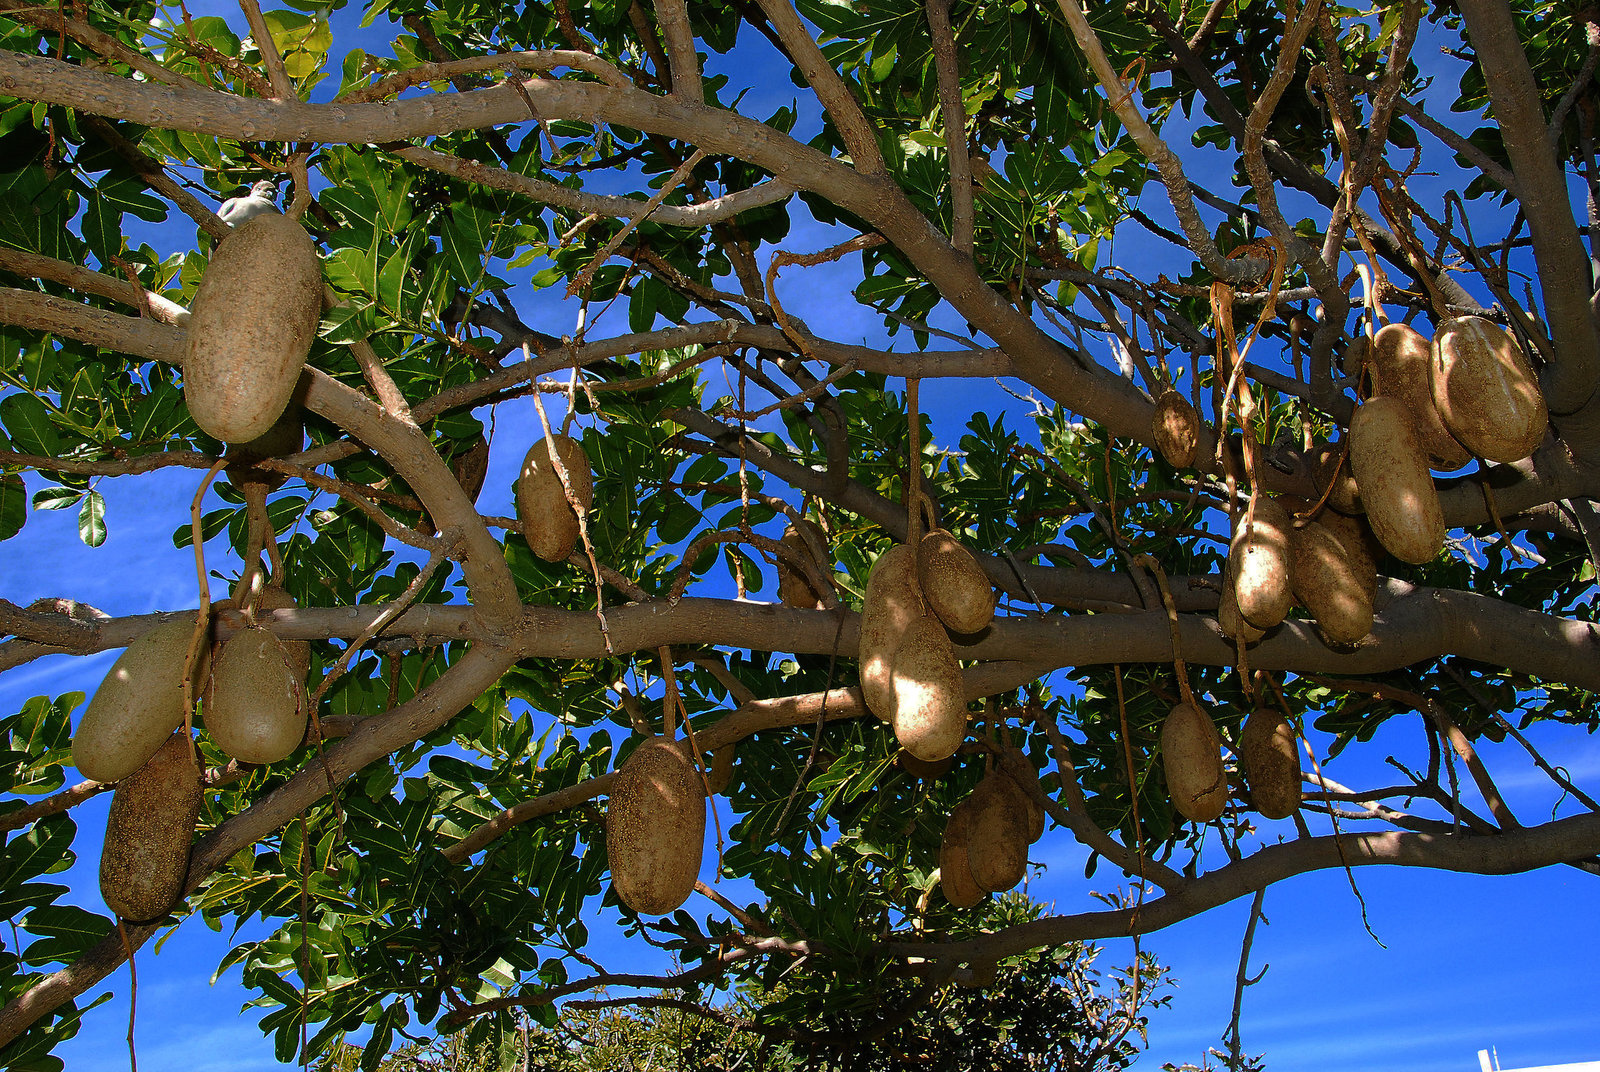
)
(1402, 505)
(1176, 429)
(953, 583)
(549, 523)
(930, 705)
(1486, 390)
(892, 603)
(255, 707)
(794, 585)
(151, 823)
(1191, 757)
(138, 704)
(1270, 755)
(1258, 560)
(955, 873)
(1330, 583)
(1400, 360)
(656, 827)
(251, 326)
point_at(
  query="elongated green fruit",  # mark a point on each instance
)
(138, 704)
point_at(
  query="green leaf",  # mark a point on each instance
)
(55, 498)
(27, 421)
(92, 519)
(13, 505)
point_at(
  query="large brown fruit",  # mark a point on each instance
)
(1258, 560)
(1228, 617)
(1191, 756)
(955, 873)
(997, 854)
(656, 827)
(251, 326)
(1176, 429)
(1359, 543)
(919, 769)
(930, 704)
(1402, 505)
(138, 704)
(1035, 810)
(549, 523)
(273, 598)
(1270, 755)
(892, 603)
(1330, 583)
(794, 587)
(1400, 359)
(255, 707)
(1326, 469)
(146, 853)
(1486, 390)
(953, 583)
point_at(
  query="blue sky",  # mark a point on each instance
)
(1469, 962)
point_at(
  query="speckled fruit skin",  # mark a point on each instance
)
(251, 325)
(1270, 755)
(548, 522)
(1175, 427)
(1330, 583)
(1258, 559)
(656, 827)
(1400, 360)
(953, 583)
(1486, 390)
(255, 706)
(892, 603)
(997, 854)
(794, 590)
(955, 874)
(273, 598)
(930, 705)
(145, 857)
(1191, 757)
(1402, 505)
(138, 704)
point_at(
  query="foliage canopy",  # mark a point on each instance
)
(757, 256)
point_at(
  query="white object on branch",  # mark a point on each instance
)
(236, 210)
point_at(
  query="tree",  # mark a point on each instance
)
(965, 172)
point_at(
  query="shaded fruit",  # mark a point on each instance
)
(251, 326)
(1326, 468)
(794, 588)
(930, 705)
(1359, 543)
(1400, 359)
(1486, 390)
(148, 832)
(997, 855)
(656, 827)
(1228, 617)
(549, 523)
(891, 604)
(1175, 427)
(1330, 583)
(954, 585)
(1191, 757)
(1258, 560)
(1034, 810)
(286, 436)
(138, 704)
(721, 772)
(1402, 505)
(955, 874)
(255, 708)
(1270, 756)
(921, 769)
